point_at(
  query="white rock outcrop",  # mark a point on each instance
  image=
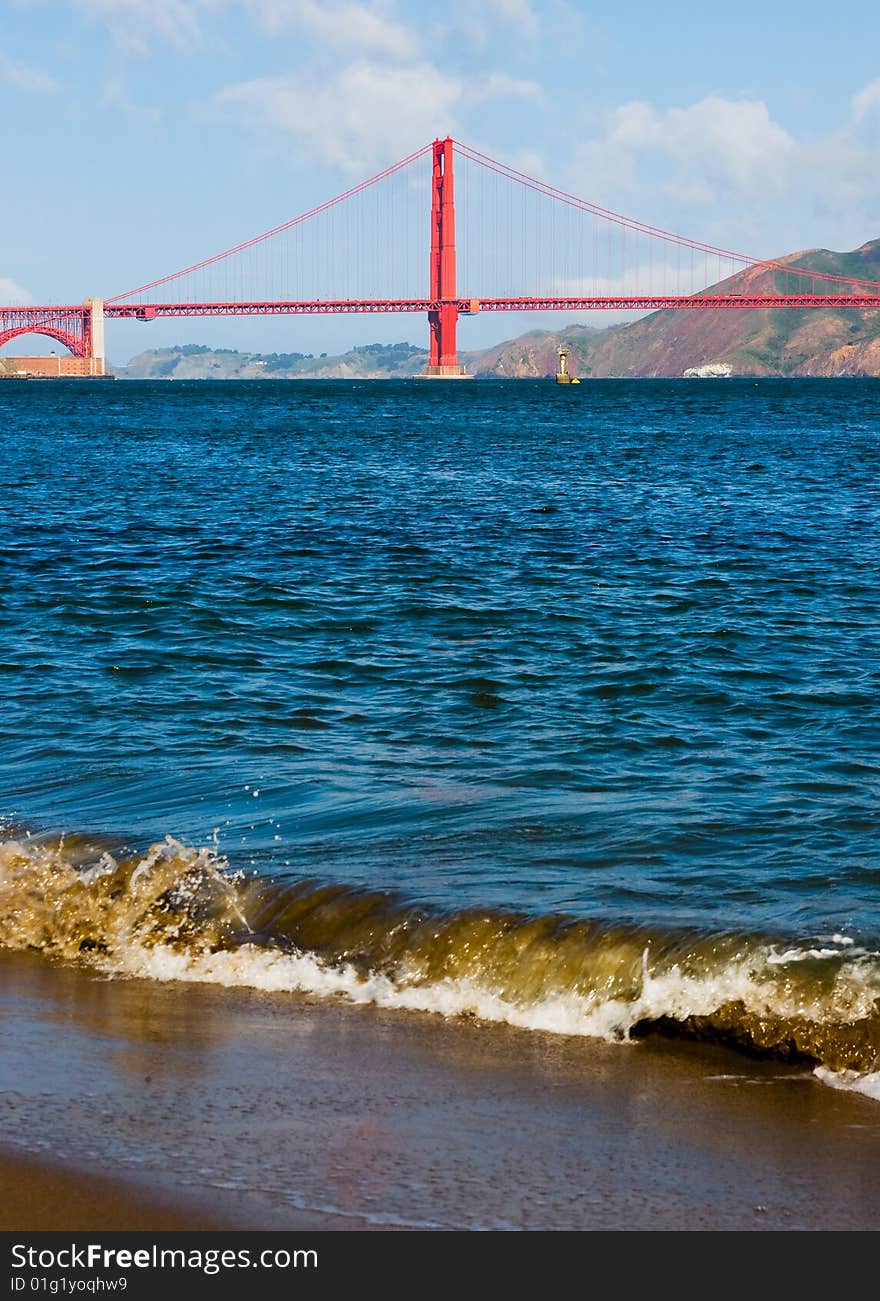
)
(712, 370)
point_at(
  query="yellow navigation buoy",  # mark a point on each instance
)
(562, 375)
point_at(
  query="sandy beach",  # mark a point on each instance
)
(130, 1103)
(40, 1195)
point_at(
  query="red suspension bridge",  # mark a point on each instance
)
(523, 245)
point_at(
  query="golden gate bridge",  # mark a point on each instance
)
(523, 245)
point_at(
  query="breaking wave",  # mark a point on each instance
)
(178, 913)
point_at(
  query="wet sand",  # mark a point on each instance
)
(197, 1107)
(40, 1195)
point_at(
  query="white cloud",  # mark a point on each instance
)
(707, 146)
(637, 273)
(361, 28)
(487, 26)
(724, 171)
(866, 105)
(517, 13)
(365, 29)
(479, 26)
(12, 294)
(498, 85)
(135, 24)
(369, 112)
(24, 77)
(736, 138)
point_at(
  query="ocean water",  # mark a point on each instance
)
(553, 706)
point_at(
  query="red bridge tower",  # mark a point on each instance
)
(443, 319)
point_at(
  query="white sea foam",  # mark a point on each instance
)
(852, 1081)
(671, 994)
(177, 914)
(799, 955)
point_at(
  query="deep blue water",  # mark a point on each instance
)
(611, 651)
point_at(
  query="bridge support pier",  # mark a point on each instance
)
(443, 320)
(443, 362)
(93, 336)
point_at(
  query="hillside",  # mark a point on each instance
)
(782, 341)
(193, 361)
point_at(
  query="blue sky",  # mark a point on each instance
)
(144, 134)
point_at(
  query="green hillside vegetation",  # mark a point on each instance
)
(195, 361)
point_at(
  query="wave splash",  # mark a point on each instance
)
(178, 913)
